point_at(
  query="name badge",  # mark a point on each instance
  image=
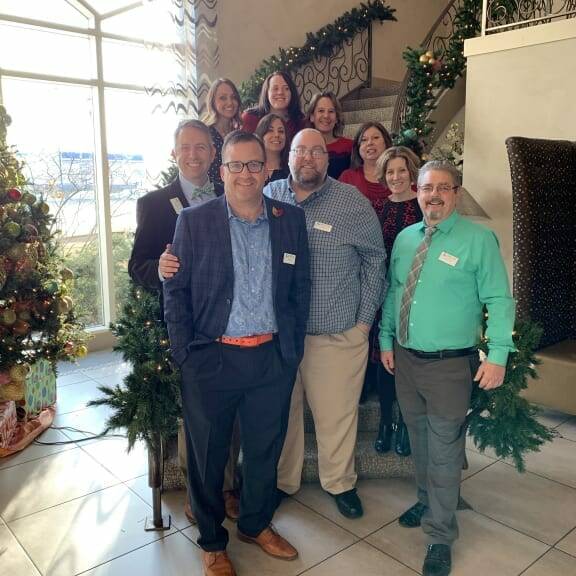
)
(448, 259)
(177, 205)
(323, 227)
(289, 258)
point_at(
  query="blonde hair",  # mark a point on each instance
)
(412, 162)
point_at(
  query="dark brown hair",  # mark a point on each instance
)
(241, 137)
(264, 127)
(294, 110)
(355, 158)
(339, 127)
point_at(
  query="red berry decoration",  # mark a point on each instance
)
(14, 194)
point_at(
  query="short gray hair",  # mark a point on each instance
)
(197, 124)
(441, 166)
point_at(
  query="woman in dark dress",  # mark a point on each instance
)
(398, 168)
(272, 130)
(325, 114)
(224, 116)
(280, 96)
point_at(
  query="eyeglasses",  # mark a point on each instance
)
(441, 188)
(315, 152)
(254, 166)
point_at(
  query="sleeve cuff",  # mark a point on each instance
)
(499, 357)
(386, 343)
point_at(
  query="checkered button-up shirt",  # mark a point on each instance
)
(347, 255)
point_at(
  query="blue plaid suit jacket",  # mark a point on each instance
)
(198, 299)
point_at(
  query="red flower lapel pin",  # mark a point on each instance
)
(277, 212)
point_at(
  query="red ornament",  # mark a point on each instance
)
(14, 194)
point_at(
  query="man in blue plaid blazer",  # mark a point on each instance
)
(236, 313)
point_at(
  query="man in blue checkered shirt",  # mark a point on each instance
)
(347, 259)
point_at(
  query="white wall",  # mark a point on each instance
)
(250, 31)
(519, 83)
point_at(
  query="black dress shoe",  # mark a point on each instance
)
(402, 445)
(349, 504)
(413, 516)
(438, 561)
(384, 439)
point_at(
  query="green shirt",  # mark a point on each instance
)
(462, 272)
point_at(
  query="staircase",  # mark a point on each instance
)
(375, 104)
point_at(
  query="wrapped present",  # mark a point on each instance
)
(40, 390)
(8, 422)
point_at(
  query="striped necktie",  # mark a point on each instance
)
(411, 281)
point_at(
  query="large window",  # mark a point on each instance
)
(89, 87)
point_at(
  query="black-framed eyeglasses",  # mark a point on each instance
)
(254, 166)
(301, 152)
(441, 188)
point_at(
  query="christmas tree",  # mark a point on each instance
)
(37, 318)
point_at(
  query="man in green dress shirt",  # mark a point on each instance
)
(442, 272)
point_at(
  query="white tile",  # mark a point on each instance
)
(484, 547)
(360, 559)
(556, 460)
(43, 483)
(13, 558)
(35, 451)
(476, 462)
(382, 500)
(112, 454)
(76, 396)
(314, 537)
(172, 501)
(71, 378)
(108, 372)
(568, 429)
(553, 563)
(174, 555)
(531, 504)
(85, 423)
(85, 532)
(568, 543)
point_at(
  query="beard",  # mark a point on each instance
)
(312, 179)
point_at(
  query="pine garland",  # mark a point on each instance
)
(429, 75)
(324, 42)
(501, 418)
(148, 402)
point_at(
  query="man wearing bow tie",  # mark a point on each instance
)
(151, 261)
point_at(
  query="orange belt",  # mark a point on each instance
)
(246, 341)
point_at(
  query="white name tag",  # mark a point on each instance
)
(177, 205)
(289, 258)
(323, 227)
(448, 259)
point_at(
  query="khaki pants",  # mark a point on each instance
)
(229, 473)
(331, 376)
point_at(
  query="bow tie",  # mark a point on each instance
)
(206, 190)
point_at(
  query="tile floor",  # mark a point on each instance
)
(80, 508)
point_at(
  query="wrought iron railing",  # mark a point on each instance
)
(437, 41)
(348, 67)
(502, 15)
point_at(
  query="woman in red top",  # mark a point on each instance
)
(370, 141)
(325, 114)
(398, 167)
(280, 96)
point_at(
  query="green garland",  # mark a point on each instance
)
(321, 43)
(428, 74)
(501, 418)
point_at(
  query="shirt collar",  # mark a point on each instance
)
(191, 190)
(325, 186)
(262, 217)
(446, 225)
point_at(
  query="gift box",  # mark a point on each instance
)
(40, 390)
(8, 422)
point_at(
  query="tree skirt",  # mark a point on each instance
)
(27, 432)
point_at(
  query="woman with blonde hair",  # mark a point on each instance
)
(397, 168)
(223, 117)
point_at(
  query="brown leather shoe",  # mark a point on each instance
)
(217, 564)
(272, 543)
(232, 505)
(188, 513)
